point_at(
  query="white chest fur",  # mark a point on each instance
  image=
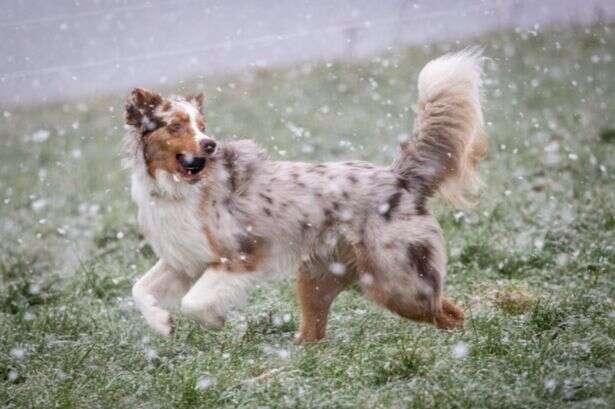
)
(173, 228)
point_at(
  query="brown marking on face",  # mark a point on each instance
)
(165, 131)
(175, 136)
(162, 145)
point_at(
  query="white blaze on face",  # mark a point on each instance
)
(193, 113)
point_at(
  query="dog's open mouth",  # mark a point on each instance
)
(190, 165)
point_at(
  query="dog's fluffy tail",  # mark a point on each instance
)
(449, 137)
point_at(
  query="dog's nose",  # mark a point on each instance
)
(208, 146)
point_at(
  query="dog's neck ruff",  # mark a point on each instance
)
(170, 216)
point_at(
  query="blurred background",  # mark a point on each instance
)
(65, 48)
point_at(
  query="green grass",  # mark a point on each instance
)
(533, 263)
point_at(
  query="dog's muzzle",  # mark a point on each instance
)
(191, 164)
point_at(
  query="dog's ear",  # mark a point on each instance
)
(140, 107)
(196, 100)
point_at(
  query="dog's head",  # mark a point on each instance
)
(169, 135)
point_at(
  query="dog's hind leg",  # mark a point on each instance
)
(316, 290)
(405, 275)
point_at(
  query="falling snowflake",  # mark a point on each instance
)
(367, 279)
(550, 385)
(277, 321)
(345, 215)
(283, 354)
(18, 353)
(150, 354)
(204, 383)
(40, 136)
(39, 205)
(383, 208)
(337, 268)
(460, 350)
(279, 352)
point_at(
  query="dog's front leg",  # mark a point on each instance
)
(215, 294)
(161, 287)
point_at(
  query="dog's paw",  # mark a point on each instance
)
(207, 315)
(299, 338)
(160, 321)
(211, 320)
(302, 338)
(451, 316)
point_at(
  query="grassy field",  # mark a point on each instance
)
(533, 263)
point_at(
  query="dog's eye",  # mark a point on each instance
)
(175, 127)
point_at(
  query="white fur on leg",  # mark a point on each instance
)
(159, 286)
(214, 295)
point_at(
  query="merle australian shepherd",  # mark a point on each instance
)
(222, 216)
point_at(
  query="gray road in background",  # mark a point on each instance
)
(59, 49)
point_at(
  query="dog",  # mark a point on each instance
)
(221, 216)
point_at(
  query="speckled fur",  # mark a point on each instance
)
(249, 218)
